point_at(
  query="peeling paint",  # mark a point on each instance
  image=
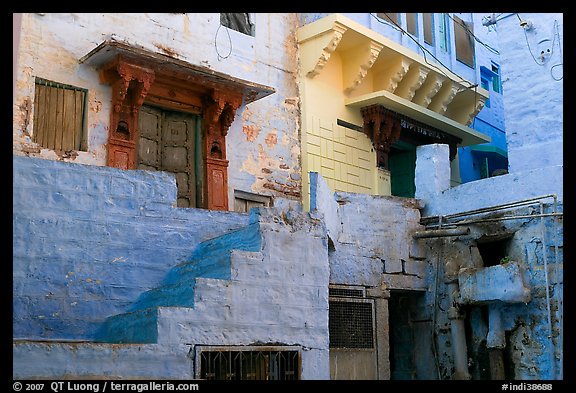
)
(251, 131)
(167, 50)
(271, 139)
(95, 106)
(25, 111)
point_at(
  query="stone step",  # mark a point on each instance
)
(180, 294)
(139, 326)
(211, 259)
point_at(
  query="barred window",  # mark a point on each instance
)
(59, 116)
(248, 363)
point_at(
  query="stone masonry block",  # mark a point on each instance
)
(393, 266)
(417, 268)
(401, 281)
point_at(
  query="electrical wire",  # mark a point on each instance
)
(528, 44)
(557, 33)
(220, 57)
(424, 49)
(495, 51)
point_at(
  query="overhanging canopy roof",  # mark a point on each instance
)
(377, 70)
(108, 50)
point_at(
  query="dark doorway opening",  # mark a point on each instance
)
(411, 338)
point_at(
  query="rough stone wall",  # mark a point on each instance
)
(526, 324)
(88, 240)
(263, 141)
(278, 296)
(81, 360)
(371, 238)
(529, 353)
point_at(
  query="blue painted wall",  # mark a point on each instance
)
(490, 120)
(88, 240)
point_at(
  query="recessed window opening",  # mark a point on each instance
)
(494, 252)
(392, 17)
(427, 19)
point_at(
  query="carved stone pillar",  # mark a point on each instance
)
(220, 109)
(383, 128)
(130, 84)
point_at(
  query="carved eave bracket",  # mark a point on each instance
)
(413, 80)
(358, 62)
(383, 129)
(319, 49)
(429, 89)
(445, 96)
(478, 105)
(130, 85)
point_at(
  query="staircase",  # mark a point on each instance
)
(210, 260)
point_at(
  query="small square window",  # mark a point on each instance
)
(244, 201)
(59, 116)
(496, 81)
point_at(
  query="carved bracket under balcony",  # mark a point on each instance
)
(383, 129)
(319, 50)
(219, 111)
(356, 67)
(130, 85)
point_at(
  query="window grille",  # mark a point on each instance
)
(59, 116)
(341, 291)
(350, 318)
(249, 363)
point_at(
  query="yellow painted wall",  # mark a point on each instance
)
(344, 157)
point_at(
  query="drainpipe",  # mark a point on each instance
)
(496, 342)
(552, 349)
(458, 332)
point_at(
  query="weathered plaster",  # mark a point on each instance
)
(268, 58)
